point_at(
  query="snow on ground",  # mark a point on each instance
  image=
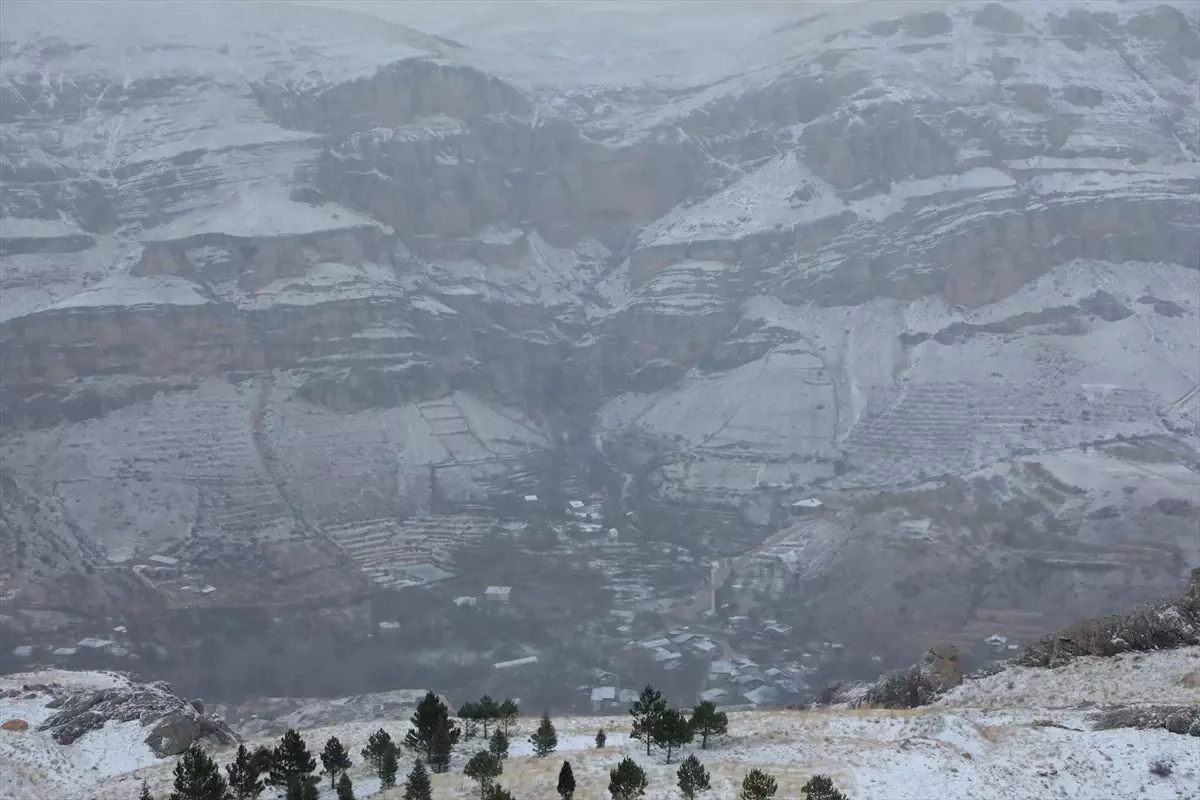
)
(1021, 733)
(127, 291)
(34, 767)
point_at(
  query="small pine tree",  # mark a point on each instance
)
(489, 711)
(291, 759)
(145, 793)
(627, 781)
(197, 777)
(820, 787)
(498, 744)
(345, 787)
(507, 714)
(418, 786)
(566, 782)
(693, 778)
(469, 713)
(430, 717)
(335, 760)
(378, 743)
(646, 709)
(388, 769)
(441, 747)
(758, 785)
(244, 782)
(601, 738)
(261, 759)
(707, 721)
(670, 731)
(545, 738)
(498, 792)
(302, 787)
(484, 767)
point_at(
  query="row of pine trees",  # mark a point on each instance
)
(432, 737)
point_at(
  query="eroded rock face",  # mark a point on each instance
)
(920, 248)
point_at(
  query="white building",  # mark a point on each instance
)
(531, 498)
(603, 694)
(466, 600)
(713, 695)
(576, 507)
(498, 594)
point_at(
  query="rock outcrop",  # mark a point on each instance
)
(938, 671)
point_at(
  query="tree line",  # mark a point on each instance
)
(432, 737)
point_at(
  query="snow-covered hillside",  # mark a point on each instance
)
(1021, 733)
(276, 279)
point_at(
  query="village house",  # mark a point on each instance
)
(498, 594)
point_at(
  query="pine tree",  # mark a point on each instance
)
(418, 786)
(646, 709)
(291, 759)
(388, 768)
(707, 721)
(507, 714)
(244, 782)
(820, 787)
(498, 744)
(261, 760)
(489, 711)
(758, 785)
(469, 713)
(498, 792)
(627, 781)
(197, 777)
(302, 787)
(431, 715)
(670, 730)
(335, 760)
(484, 767)
(345, 787)
(600, 739)
(566, 782)
(693, 778)
(145, 793)
(545, 738)
(441, 747)
(378, 743)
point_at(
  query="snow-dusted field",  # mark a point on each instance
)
(1021, 733)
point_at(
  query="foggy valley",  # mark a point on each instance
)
(824, 362)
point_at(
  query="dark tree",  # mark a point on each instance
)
(443, 743)
(498, 744)
(758, 785)
(469, 713)
(693, 778)
(261, 759)
(378, 744)
(627, 781)
(291, 759)
(507, 714)
(820, 787)
(197, 777)
(335, 760)
(489, 712)
(345, 788)
(244, 782)
(302, 787)
(388, 769)
(707, 721)
(484, 767)
(431, 716)
(671, 730)
(601, 738)
(566, 782)
(646, 710)
(418, 786)
(498, 792)
(545, 738)
(145, 793)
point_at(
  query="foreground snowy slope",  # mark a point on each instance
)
(1021, 733)
(278, 280)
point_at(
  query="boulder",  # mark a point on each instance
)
(15, 725)
(176, 732)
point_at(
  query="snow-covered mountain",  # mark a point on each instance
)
(275, 275)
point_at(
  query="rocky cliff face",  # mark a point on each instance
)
(275, 292)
